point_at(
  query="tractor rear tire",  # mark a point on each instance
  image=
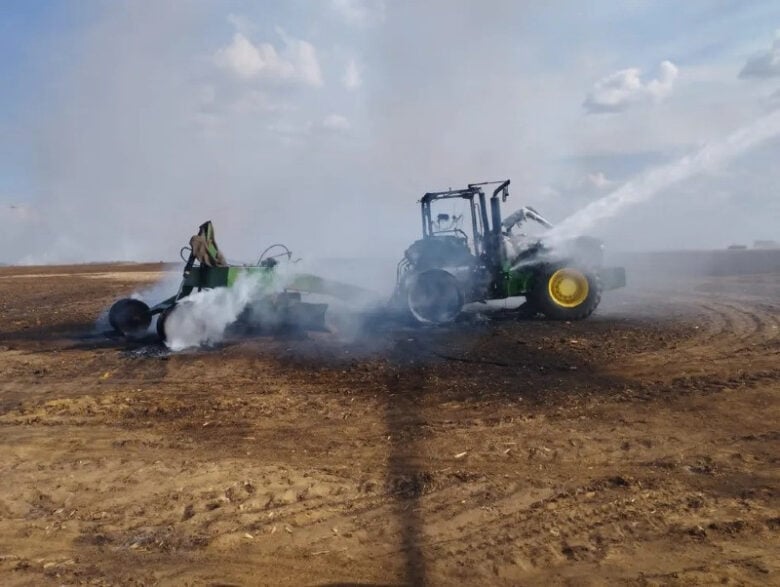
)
(565, 292)
(434, 297)
(130, 317)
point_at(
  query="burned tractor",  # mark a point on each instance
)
(447, 269)
(279, 304)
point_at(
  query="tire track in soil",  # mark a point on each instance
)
(728, 332)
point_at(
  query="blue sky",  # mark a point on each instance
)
(321, 122)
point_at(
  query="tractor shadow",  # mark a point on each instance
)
(406, 480)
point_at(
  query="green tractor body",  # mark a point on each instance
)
(447, 268)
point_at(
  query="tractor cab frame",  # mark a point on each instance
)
(485, 238)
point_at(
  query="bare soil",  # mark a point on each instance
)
(639, 447)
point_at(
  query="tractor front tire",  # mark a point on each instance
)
(565, 292)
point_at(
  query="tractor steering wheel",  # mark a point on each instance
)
(459, 231)
(456, 231)
(285, 253)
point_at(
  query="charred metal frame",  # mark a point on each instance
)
(486, 231)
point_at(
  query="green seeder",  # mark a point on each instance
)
(279, 304)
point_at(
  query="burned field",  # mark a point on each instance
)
(638, 447)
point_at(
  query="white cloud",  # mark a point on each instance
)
(360, 12)
(297, 62)
(764, 64)
(625, 88)
(336, 123)
(352, 78)
(597, 180)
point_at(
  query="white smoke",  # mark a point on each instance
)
(203, 317)
(125, 126)
(163, 289)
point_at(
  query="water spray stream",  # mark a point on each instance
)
(709, 157)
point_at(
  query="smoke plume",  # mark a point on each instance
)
(203, 317)
(140, 120)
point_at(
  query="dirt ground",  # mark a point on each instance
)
(639, 447)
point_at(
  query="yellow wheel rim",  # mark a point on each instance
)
(568, 287)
